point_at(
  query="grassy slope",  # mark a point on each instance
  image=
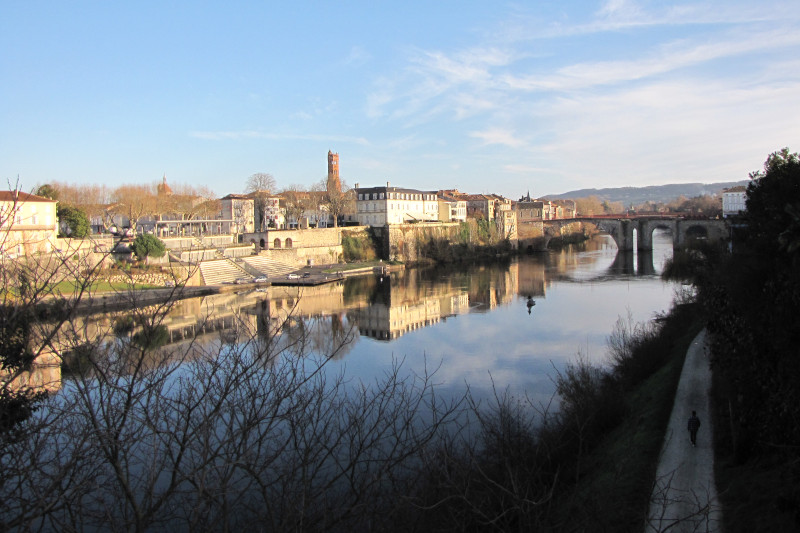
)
(614, 496)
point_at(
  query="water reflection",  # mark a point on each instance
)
(478, 324)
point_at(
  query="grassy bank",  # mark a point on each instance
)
(614, 493)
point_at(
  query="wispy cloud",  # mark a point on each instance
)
(498, 136)
(251, 134)
(668, 58)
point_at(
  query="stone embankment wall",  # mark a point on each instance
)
(164, 278)
(535, 236)
(400, 242)
(299, 246)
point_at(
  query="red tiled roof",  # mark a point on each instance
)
(19, 196)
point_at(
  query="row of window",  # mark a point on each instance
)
(396, 196)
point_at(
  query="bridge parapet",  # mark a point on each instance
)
(621, 229)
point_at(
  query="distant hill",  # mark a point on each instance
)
(655, 193)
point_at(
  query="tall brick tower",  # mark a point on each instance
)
(334, 183)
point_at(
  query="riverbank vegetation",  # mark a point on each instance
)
(252, 431)
(751, 299)
(358, 247)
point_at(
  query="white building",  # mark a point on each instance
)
(28, 224)
(452, 209)
(733, 201)
(237, 214)
(380, 206)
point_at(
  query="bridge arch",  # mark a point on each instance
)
(683, 230)
(646, 228)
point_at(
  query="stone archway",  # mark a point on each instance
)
(289, 242)
(695, 233)
(262, 243)
(276, 243)
(647, 227)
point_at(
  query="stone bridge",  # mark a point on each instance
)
(630, 231)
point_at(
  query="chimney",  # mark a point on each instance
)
(387, 184)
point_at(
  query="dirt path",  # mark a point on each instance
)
(685, 497)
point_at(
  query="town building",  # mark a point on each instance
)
(334, 182)
(451, 208)
(533, 210)
(237, 214)
(480, 205)
(28, 224)
(507, 225)
(380, 206)
(568, 208)
(272, 215)
(734, 201)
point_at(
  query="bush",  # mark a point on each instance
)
(357, 248)
(145, 246)
(73, 222)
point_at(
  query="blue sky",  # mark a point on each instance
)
(481, 96)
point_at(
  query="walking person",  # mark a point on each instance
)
(694, 425)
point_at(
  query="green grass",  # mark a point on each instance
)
(615, 493)
(70, 287)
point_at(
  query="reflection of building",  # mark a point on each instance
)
(406, 305)
(491, 288)
(386, 322)
(531, 279)
(44, 375)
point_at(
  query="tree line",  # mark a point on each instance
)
(78, 204)
(752, 301)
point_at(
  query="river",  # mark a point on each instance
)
(476, 325)
(206, 427)
(509, 325)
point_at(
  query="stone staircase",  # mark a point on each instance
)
(260, 265)
(219, 271)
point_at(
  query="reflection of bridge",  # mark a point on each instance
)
(622, 229)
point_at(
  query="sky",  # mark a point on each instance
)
(487, 97)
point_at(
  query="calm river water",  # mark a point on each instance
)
(512, 325)
(477, 325)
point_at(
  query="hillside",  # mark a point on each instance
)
(654, 193)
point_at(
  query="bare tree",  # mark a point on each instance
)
(339, 200)
(260, 186)
(294, 203)
(35, 284)
(246, 432)
(132, 202)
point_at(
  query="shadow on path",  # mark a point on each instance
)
(684, 497)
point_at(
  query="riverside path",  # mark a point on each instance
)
(684, 495)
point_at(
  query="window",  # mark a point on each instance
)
(381, 196)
